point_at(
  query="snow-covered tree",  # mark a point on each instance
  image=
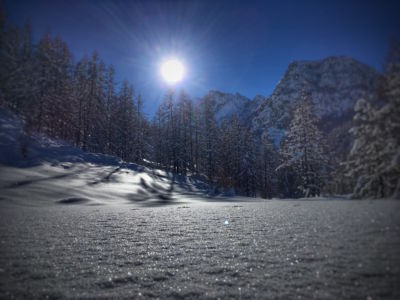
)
(375, 155)
(304, 150)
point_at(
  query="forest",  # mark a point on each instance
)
(81, 102)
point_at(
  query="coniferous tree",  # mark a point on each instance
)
(110, 111)
(125, 128)
(248, 175)
(209, 139)
(196, 138)
(77, 102)
(236, 159)
(375, 155)
(267, 162)
(228, 155)
(304, 151)
(11, 71)
(183, 124)
(139, 128)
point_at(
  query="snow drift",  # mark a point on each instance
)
(37, 170)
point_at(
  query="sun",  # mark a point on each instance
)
(172, 71)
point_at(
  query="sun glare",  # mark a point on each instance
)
(172, 71)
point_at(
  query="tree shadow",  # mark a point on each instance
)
(153, 194)
(74, 200)
(107, 177)
(31, 181)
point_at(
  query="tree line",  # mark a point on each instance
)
(82, 103)
(78, 102)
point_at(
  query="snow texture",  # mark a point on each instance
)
(318, 249)
(55, 171)
(76, 225)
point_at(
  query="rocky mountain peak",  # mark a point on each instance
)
(334, 85)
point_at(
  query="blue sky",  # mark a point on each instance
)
(232, 46)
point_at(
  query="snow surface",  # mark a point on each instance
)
(76, 225)
(54, 171)
(319, 249)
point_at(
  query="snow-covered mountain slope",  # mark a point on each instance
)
(225, 105)
(334, 84)
(36, 170)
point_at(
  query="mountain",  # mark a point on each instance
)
(226, 105)
(334, 85)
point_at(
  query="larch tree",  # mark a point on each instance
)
(209, 138)
(266, 164)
